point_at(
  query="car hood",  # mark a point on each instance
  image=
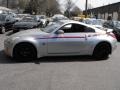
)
(31, 32)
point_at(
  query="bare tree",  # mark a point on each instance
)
(75, 11)
(71, 9)
(89, 6)
(68, 6)
(22, 3)
(3, 2)
(53, 7)
(43, 6)
(32, 7)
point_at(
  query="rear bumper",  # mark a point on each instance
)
(114, 45)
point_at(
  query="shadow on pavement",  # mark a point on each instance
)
(3, 58)
(7, 60)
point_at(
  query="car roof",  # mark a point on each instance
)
(64, 22)
(74, 22)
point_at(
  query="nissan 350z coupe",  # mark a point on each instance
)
(63, 38)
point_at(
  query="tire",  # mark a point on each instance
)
(102, 51)
(3, 30)
(24, 52)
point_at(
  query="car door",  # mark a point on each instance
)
(71, 42)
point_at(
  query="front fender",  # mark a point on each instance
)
(39, 44)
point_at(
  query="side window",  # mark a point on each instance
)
(67, 28)
(81, 28)
(89, 30)
(76, 28)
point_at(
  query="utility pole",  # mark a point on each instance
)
(7, 3)
(47, 9)
(86, 6)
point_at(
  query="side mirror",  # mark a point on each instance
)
(60, 32)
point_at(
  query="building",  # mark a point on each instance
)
(11, 3)
(111, 10)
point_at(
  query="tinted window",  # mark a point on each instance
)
(76, 28)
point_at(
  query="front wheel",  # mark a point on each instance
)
(24, 51)
(102, 51)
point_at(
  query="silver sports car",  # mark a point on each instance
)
(59, 39)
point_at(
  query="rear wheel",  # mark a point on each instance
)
(24, 51)
(102, 51)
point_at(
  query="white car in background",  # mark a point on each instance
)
(58, 17)
(98, 23)
(43, 19)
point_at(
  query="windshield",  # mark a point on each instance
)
(29, 19)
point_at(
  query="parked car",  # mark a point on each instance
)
(2, 23)
(115, 25)
(44, 20)
(28, 22)
(19, 17)
(6, 23)
(61, 39)
(98, 23)
(58, 17)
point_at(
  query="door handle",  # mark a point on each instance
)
(43, 43)
(86, 37)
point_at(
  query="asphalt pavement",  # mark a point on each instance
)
(60, 73)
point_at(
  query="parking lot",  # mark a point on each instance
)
(60, 73)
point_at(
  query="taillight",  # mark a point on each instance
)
(111, 34)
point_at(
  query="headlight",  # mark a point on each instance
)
(14, 38)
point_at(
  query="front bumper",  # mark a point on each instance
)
(7, 51)
(8, 48)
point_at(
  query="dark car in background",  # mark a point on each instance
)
(6, 23)
(115, 25)
(28, 22)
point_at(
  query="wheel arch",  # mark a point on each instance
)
(103, 42)
(32, 44)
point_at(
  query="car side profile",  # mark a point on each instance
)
(61, 39)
